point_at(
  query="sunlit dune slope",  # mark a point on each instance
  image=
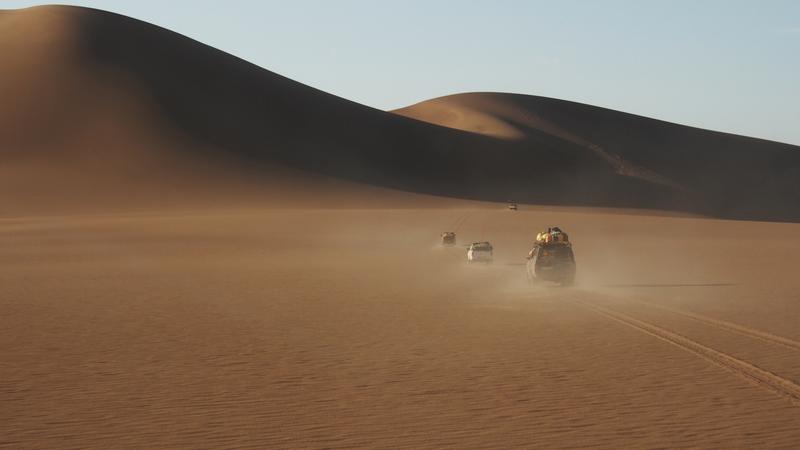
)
(98, 105)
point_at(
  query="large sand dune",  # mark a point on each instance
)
(196, 252)
(729, 175)
(106, 103)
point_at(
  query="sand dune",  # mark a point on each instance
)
(140, 107)
(733, 175)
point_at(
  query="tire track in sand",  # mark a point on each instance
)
(728, 326)
(754, 374)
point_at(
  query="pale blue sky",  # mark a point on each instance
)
(728, 65)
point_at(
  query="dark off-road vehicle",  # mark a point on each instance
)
(551, 262)
(448, 238)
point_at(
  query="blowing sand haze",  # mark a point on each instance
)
(196, 252)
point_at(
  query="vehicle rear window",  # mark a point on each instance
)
(557, 251)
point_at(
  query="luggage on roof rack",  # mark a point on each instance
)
(551, 235)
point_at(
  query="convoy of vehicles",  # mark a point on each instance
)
(551, 258)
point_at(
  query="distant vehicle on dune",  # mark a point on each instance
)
(480, 252)
(448, 238)
(512, 206)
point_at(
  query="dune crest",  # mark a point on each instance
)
(99, 102)
(720, 167)
(494, 115)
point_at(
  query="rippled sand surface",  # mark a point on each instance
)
(354, 328)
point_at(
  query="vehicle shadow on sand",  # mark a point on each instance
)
(667, 285)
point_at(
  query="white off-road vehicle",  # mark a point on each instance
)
(479, 252)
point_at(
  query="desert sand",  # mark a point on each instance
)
(198, 253)
(340, 328)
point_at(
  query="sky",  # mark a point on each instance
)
(727, 65)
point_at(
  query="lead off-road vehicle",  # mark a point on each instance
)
(553, 262)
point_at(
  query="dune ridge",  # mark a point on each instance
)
(699, 161)
(105, 103)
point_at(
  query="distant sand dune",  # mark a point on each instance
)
(729, 172)
(105, 104)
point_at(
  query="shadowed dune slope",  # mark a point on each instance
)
(734, 175)
(101, 105)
